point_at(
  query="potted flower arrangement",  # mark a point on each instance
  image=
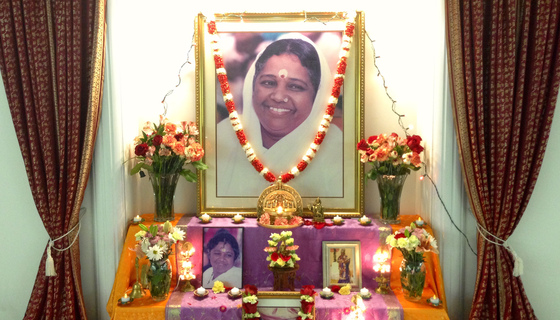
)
(307, 302)
(283, 259)
(413, 242)
(156, 243)
(392, 158)
(250, 301)
(164, 150)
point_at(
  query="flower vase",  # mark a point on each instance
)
(413, 277)
(284, 277)
(390, 190)
(159, 279)
(164, 186)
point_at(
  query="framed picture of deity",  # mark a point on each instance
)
(222, 257)
(280, 97)
(342, 264)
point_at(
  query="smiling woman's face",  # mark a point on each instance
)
(282, 97)
(222, 258)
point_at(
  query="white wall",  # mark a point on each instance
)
(147, 44)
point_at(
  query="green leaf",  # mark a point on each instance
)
(200, 165)
(136, 168)
(406, 233)
(189, 175)
(143, 227)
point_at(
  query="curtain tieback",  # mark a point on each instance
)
(49, 264)
(517, 261)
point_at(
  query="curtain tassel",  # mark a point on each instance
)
(517, 262)
(49, 265)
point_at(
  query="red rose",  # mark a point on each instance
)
(179, 136)
(250, 289)
(270, 177)
(230, 105)
(250, 308)
(242, 139)
(307, 290)
(413, 143)
(274, 256)
(301, 165)
(157, 140)
(285, 258)
(399, 235)
(335, 288)
(141, 149)
(371, 139)
(362, 145)
(307, 307)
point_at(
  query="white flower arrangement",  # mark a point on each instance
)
(156, 241)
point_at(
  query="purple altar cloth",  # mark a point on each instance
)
(379, 307)
(309, 239)
(185, 306)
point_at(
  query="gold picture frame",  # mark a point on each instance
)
(349, 200)
(338, 263)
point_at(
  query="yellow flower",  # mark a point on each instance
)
(218, 287)
(345, 290)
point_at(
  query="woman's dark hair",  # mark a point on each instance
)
(223, 236)
(302, 49)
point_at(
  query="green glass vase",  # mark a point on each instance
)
(164, 186)
(390, 190)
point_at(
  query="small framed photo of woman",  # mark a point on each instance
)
(342, 264)
(222, 257)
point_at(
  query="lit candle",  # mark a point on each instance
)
(125, 299)
(137, 219)
(280, 210)
(434, 300)
(419, 222)
(326, 291)
(364, 292)
(364, 219)
(238, 218)
(205, 217)
(234, 291)
(337, 219)
(201, 291)
(376, 267)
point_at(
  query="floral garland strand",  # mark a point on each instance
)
(325, 122)
(307, 302)
(250, 301)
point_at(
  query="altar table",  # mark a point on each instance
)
(145, 308)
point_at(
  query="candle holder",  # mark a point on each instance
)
(186, 272)
(382, 285)
(137, 291)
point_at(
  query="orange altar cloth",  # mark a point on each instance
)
(145, 308)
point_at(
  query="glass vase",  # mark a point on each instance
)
(413, 277)
(390, 189)
(164, 186)
(159, 279)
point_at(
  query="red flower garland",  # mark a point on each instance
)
(329, 112)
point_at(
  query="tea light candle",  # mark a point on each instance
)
(435, 300)
(337, 219)
(326, 291)
(201, 291)
(237, 218)
(137, 219)
(234, 291)
(419, 222)
(205, 217)
(125, 299)
(364, 219)
(364, 292)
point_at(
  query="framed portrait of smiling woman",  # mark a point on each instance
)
(279, 72)
(222, 257)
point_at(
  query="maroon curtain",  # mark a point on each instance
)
(51, 59)
(504, 66)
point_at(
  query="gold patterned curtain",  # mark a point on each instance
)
(51, 60)
(504, 62)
